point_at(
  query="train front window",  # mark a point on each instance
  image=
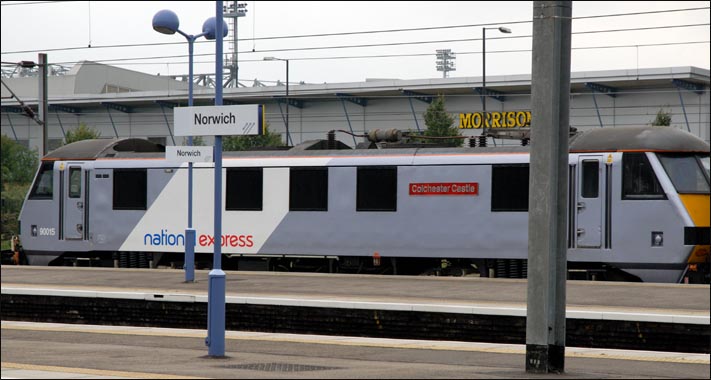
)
(704, 160)
(685, 172)
(638, 178)
(42, 188)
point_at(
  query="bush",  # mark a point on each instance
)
(19, 165)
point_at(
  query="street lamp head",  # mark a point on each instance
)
(209, 28)
(166, 22)
(269, 59)
(504, 30)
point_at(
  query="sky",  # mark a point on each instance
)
(72, 31)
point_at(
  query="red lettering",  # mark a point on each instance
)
(205, 240)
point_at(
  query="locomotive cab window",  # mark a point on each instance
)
(638, 178)
(130, 188)
(377, 188)
(42, 188)
(686, 172)
(308, 189)
(509, 187)
(244, 189)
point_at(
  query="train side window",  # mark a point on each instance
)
(43, 188)
(509, 187)
(376, 188)
(74, 182)
(308, 189)
(244, 189)
(130, 189)
(591, 179)
(638, 178)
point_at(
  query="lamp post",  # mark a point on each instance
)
(482, 139)
(167, 22)
(286, 123)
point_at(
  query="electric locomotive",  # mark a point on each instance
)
(638, 207)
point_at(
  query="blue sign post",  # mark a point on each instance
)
(167, 22)
(216, 280)
(215, 121)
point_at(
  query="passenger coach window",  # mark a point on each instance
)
(591, 179)
(308, 189)
(509, 188)
(377, 188)
(42, 188)
(638, 178)
(130, 188)
(244, 189)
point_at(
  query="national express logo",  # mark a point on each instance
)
(204, 240)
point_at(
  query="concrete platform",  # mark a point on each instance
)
(38, 350)
(584, 298)
(657, 317)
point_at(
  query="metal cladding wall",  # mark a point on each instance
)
(316, 109)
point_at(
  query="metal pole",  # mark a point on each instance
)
(189, 231)
(683, 108)
(42, 101)
(288, 135)
(235, 66)
(483, 81)
(216, 288)
(414, 115)
(547, 198)
(597, 110)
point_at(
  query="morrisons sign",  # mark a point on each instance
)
(513, 119)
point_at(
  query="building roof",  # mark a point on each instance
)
(88, 84)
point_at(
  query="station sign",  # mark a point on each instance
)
(189, 153)
(245, 119)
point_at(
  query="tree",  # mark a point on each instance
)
(82, 132)
(268, 139)
(441, 124)
(197, 141)
(18, 163)
(18, 168)
(663, 118)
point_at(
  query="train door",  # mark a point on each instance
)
(589, 201)
(74, 196)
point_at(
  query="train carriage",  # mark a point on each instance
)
(638, 206)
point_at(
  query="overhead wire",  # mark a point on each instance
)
(118, 60)
(423, 42)
(367, 32)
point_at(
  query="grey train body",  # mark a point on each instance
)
(104, 197)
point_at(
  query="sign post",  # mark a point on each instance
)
(189, 154)
(215, 121)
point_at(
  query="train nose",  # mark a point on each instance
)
(697, 205)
